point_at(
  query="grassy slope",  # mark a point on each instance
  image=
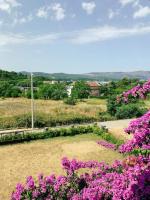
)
(47, 111)
(19, 161)
(18, 106)
(147, 103)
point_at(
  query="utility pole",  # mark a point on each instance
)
(32, 102)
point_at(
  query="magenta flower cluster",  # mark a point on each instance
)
(140, 128)
(120, 181)
(107, 144)
(139, 91)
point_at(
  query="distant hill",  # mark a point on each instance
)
(100, 76)
(6, 75)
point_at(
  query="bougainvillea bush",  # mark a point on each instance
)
(140, 128)
(125, 180)
(137, 92)
(107, 144)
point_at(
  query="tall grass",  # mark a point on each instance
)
(16, 112)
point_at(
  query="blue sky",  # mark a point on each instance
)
(74, 36)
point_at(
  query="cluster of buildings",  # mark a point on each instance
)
(94, 86)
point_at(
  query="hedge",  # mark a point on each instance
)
(50, 133)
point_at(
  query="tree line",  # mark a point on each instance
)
(14, 84)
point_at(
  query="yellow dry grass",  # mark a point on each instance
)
(117, 128)
(19, 106)
(147, 103)
(20, 160)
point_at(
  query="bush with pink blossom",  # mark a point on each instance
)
(140, 128)
(137, 92)
(107, 144)
(125, 180)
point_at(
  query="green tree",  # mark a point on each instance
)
(59, 91)
(55, 91)
(9, 90)
(81, 90)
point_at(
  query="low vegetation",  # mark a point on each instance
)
(50, 133)
(126, 111)
(16, 112)
(107, 136)
(131, 103)
(57, 132)
(130, 111)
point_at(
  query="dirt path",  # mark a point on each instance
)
(117, 127)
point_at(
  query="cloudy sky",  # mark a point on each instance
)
(75, 36)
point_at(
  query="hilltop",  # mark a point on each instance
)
(99, 76)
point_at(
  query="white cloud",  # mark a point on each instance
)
(15, 39)
(126, 2)
(22, 20)
(106, 33)
(112, 14)
(89, 7)
(1, 22)
(42, 13)
(7, 5)
(85, 36)
(4, 6)
(13, 3)
(136, 3)
(142, 12)
(73, 15)
(59, 12)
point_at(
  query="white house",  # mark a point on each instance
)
(69, 90)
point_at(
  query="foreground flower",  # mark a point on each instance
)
(107, 144)
(137, 92)
(140, 128)
(127, 180)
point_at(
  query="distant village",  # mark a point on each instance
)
(94, 86)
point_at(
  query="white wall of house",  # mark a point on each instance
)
(69, 90)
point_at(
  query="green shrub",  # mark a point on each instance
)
(137, 152)
(112, 105)
(100, 130)
(50, 133)
(104, 133)
(43, 120)
(70, 101)
(57, 132)
(129, 111)
(105, 116)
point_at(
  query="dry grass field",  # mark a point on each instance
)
(147, 103)
(20, 160)
(19, 106)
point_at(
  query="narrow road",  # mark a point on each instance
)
(117, 127)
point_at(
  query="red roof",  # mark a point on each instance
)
(93, 84)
